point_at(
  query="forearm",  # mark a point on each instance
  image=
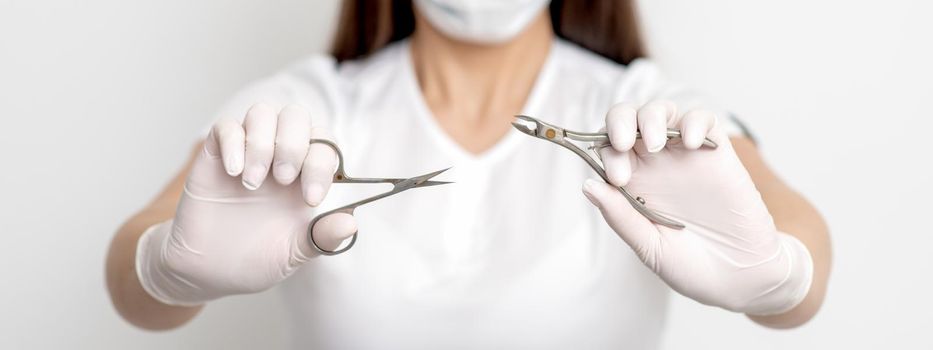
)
(795, 216)
(126, 292)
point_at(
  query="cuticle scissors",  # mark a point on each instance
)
(340, 176)
(560, 136)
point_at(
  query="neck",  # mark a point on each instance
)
(477, 88)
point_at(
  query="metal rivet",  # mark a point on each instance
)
(339, 177)
(550, 133)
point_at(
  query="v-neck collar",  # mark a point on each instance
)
(505, 144)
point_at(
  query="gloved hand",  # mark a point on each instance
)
(730, 254)
(234, 232)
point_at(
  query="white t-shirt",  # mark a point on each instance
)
(510, 256)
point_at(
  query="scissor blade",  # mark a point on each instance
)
(420, 181)
(433, 183)
(428, 176)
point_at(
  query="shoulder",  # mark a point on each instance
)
(381, 64)
(638, 82)
(308, 82)
(579, 67)
(574, 61)
(317, 83)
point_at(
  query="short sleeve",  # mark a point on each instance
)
(311, 83)
(643, 82)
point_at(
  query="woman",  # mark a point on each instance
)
(510, 256)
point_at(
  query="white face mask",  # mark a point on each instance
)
(481, 21)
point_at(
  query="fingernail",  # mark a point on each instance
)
(314, 194)
(286, 171)
(588, 187)
(232, 164)
(691, 143)
(656, 145)
(617, 180)
(253, 180)
(619, 131)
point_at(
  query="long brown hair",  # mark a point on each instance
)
(606, 27)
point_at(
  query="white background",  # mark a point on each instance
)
(101, 100)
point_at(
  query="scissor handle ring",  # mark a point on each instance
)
(347, 210)
(339, 175)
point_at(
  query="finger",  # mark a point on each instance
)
(618, 165)
(317, 172)
(652, 122)
(260, 124)
(291, 143)
(695, 126)
(227, 140)
(718, 133)
(621, 124)
(637, 231)
(331, 231)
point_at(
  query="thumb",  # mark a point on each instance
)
(636, 230)
(329, 233)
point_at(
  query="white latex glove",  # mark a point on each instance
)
(730, 254)
(234, 232)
